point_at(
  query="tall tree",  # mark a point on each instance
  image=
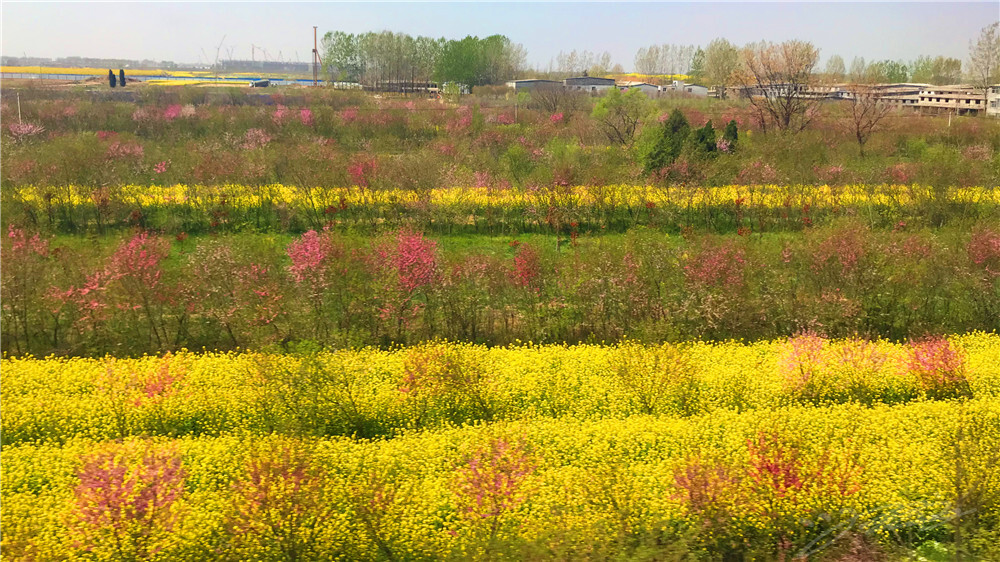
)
(722, 58)
(774, 77)
(474, 62)
(835, 69)
(946, 70)
(886, 71)
(858, 70)
(922, 69)
(984, 57)
(697, 71)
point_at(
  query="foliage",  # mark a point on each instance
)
(620, 114)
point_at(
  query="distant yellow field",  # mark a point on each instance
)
(104, 71)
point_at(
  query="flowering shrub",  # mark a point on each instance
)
(22, 131)
(127, 501)
(255, 138)
(939, 367)
(128, 150)
(492, 485)
(984, 250)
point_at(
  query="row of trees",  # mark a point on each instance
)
(665, 59)
(380, 60)
(938, 70)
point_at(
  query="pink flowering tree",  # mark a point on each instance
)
(319, 271)
(279, 504)
(939, 368)
(243, 297)
(128, 291)
(127, 501)
(492, 485)
(407, 265)
(26, 269)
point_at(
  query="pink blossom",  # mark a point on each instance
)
(349, 114)
(21, 131)
(492, 482)
(172, 112)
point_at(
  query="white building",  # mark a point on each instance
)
(651, 90)
(993, 101)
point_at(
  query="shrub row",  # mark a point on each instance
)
(149, 293)
(371, 393)
(774, 484)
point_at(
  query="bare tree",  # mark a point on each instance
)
(835, 69)
(859, 70)
(555, 98)
(868, 108)
(774, 79)
(984, 57)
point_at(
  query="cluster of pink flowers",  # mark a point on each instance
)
(279, 115)
(362, 170)
(349, 114)
(172, 112)
(309, 256)
(492, 483)
(984, 250)
(937, 364)
(757, 172)
(716, 266)
(503, 119)
(415, 261)
(845, 246)
(119, 150)
(803, 358)
(255, 138)
(527, 267)
(556, 118)
(21, 245)
(21, 131)
(902, 172)
(125, 504)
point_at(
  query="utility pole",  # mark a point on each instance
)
(315, 58)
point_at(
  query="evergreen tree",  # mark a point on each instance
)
(731, 135)
(121, 77)
(111, 77)
(703, 139)
(669, 142)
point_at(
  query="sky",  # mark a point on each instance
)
(192, 32)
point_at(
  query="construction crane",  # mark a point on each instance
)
(215, 65)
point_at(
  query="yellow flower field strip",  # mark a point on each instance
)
(104, 71)
(611, 196)
(373, 392)
(584, 475)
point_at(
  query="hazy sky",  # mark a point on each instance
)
(179, 31)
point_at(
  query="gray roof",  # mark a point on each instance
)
(590, 81)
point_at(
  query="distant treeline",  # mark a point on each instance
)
(378, 59)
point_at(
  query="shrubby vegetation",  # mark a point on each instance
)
(382, 292)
